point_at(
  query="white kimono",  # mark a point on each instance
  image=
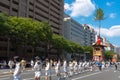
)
(37, 68)
(65, 66)
(17, 71)
(47, 69)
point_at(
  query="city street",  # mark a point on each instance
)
(108, 74)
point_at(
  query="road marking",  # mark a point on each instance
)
(86, 76)
(4, 78)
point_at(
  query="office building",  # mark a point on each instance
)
(73, 30)
(50, 11)
(89, 35)
(42, 10)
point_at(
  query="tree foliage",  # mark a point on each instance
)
(108, 54)
(4, 28)
(26, 31)
(88, 49)
(61, 43)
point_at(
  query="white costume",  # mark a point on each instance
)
(10, 64)
(37, 68)
(47, 69)
(65, 66)
(80, 67)
(17, 72)
(71, 68)
(57, 67)
(75, 67)
(32, 63)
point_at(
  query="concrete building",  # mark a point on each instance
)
(42, 10)
(50, 11)
(117, 50)
(108, 45)
(73, 30)
(82, 34)
(89, 35)
(92, 36)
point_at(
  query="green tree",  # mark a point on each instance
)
(47, 32)
(63, 44)
(108, 55)
(59, 43)
(88, 49)
(25, 31)
(4, 28)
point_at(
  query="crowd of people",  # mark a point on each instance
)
(69, 68)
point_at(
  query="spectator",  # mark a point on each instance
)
(11, 64)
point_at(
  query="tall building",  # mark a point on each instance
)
(92, 36)
(50, 11)
(89, 35)
(117, 50)
(73, 30)
(82, 34)
(108, 45)
(42, 10)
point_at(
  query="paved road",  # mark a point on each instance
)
(109, 74)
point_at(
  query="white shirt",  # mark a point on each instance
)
(17, 70)
(32, 63)
(37, 66)
(71, 65)
(64, 64)
(10, 63)
(47, 66)
(57, 67)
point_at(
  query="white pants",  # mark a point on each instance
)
(17, 77)
(65, 69)
(47, 72)
(37, 74)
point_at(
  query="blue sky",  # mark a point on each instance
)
(83, 11)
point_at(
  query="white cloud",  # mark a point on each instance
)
(67, 6)
(112, 15)
(111, 32)
(109, 3)
(81, 8)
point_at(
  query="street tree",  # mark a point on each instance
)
(47, 39)
(4, 28)
(25, 31)
(109, 54)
